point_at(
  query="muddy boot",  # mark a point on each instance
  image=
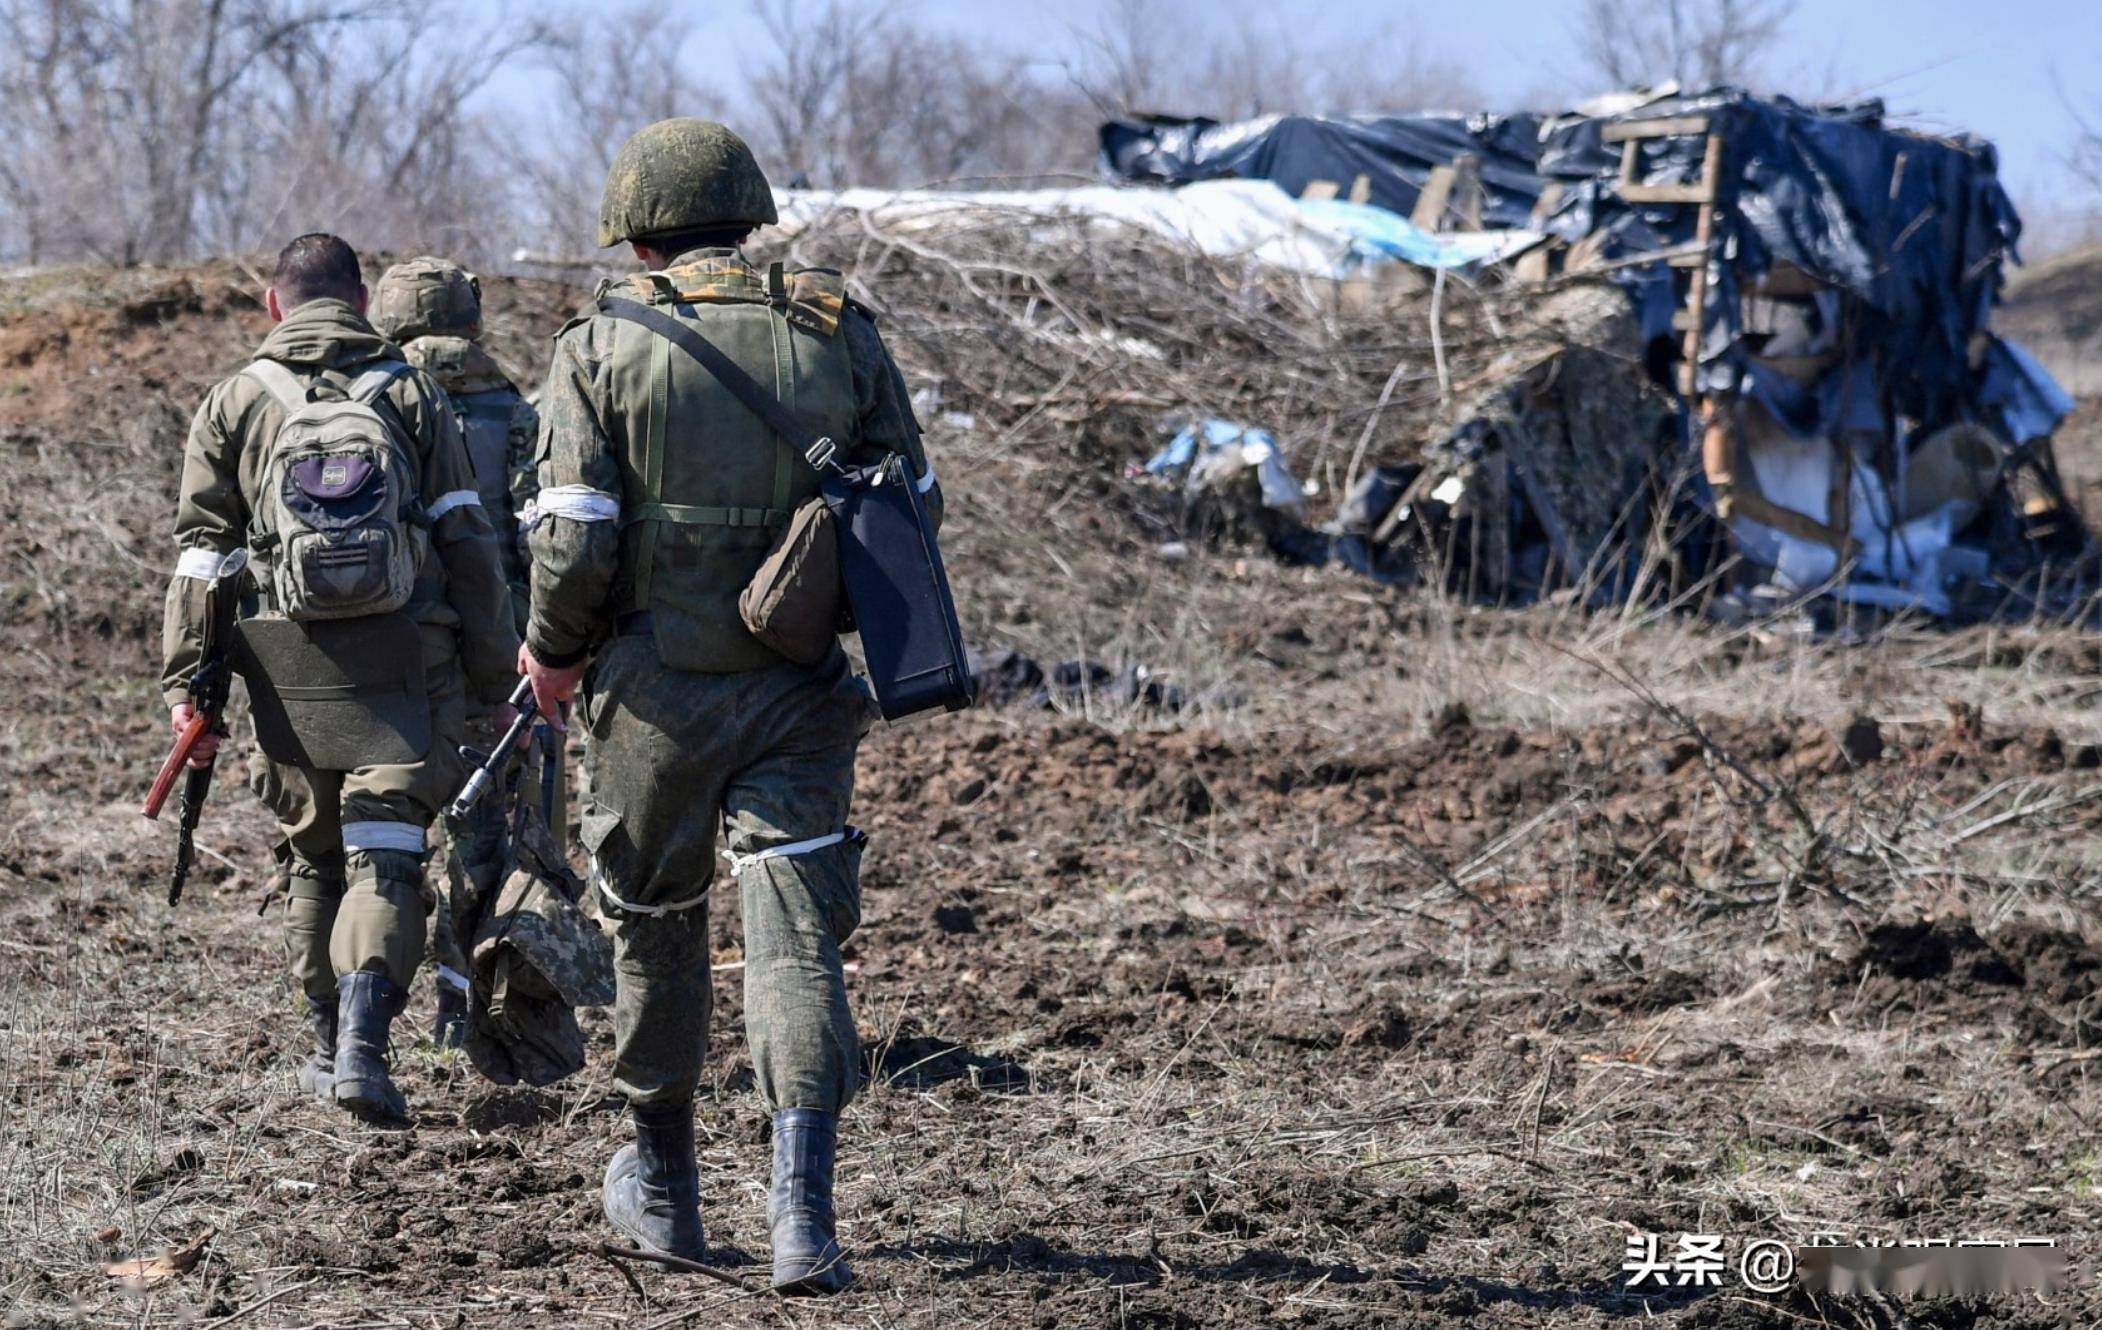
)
(652, 1191)
(317, 1075)
(807, 1258)
(450, 1029)
(367, 1005)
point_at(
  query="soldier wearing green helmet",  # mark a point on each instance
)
(660, 497)
(432, 309)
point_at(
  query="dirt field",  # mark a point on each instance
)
(1420, 962)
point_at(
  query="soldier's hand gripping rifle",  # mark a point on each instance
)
(209, 684)
(491, 770)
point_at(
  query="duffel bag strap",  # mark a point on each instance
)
(817, 448)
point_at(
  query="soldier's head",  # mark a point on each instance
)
(316, 266)
(679, 185)
(427, 297)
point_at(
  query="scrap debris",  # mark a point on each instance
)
(1659, 343)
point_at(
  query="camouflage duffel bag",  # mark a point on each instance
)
(536, 958)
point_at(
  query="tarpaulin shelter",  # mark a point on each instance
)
(1828, 280)
(1388, 161)
(1224, 219)
(1814, 286)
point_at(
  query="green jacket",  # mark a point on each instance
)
(500, 428)
(460, 588)
(621, 403)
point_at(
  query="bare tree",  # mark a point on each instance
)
(801, 95)
(1130, 59)
(1700, 44)
(601, 87)
(2083, 155)
(156, 129)
(856, 96)
(1233, 64)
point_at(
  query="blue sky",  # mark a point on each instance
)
(1993, 67)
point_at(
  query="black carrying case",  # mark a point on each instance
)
(889, 561)
(898, 590)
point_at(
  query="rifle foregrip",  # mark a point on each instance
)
(178, 757)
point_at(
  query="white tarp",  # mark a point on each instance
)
(1913, 560)
(1245, 219)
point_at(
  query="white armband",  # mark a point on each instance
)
(578, 503)
(452, 499)
(205, 565)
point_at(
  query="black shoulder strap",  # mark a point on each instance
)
(817, 448)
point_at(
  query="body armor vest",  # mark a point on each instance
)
(485, 420)
(707, 486)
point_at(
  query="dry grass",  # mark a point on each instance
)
(1396, 981)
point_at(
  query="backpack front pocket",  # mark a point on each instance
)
(334, 491)
(345, 571)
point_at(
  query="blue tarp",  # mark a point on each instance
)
(1378, 234)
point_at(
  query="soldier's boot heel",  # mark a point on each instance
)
(807, 1258)
(317, 1075)
(367, 1004)
(652, 1191)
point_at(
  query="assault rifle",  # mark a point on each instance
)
(209, 685)
(491, 769)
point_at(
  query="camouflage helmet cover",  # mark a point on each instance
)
(682, 175)
(427, 297)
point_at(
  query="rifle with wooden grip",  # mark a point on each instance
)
(209, 685)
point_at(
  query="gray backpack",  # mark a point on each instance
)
(337, 521)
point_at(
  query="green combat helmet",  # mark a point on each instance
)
(682, 175)
(427, 297)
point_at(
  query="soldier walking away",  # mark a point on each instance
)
(432, 309)
(660, 495)
(378, 607)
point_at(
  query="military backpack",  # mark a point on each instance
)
(337, 519)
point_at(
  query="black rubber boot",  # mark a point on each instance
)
(652, 1191)
(807, 1258)
(450, 1028)
(317, 1075)
(366, 1005)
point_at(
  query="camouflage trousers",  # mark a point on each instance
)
(769, 753)
(475, 855)
(353, 849)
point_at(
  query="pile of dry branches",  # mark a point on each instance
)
(1074, 336)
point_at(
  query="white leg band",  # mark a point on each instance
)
(740, 862)
(652, 911)
(453, 977)
(404, 836)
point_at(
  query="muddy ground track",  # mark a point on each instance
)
(1268, 1012)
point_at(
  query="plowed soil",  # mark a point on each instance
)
(1424, 960)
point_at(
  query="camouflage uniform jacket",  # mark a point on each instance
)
(584, 425)
(460, 588)
(481, 392)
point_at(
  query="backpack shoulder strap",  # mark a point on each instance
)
(367, 387)
(279, 382)
(817, 449)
